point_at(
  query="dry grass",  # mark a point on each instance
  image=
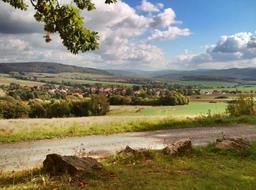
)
(36, 129)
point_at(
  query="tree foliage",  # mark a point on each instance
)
(66, 20)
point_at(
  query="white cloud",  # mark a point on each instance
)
(123, 33)
(169, 34)
(236, 50)
(164, 19)
(146, 6)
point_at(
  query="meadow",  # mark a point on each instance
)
(206, 168)
(80, 78)
(6, 80)
(192, 109)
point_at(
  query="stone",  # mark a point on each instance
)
(55, 164)
(181, 147)
(232, 144)
(128, 150)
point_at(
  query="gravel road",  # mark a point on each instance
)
(26, 155)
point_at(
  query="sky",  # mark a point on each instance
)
(144, 35)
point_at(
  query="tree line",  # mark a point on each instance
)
(36, 108)
(166, 100)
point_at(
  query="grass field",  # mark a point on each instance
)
(192, 109)
(206, 168)
(80, 78)
(205, 84)
(6, 80)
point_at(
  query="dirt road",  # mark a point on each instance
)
(30, 154)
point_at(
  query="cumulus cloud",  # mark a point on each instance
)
(170, 33)
(123, 36)
(147, 6)
(164, 19)
(236, 50)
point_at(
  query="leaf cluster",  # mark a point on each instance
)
(66, 20)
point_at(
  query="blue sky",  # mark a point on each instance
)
(208, 20)
(144, 34)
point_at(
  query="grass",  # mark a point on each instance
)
(35, 129)
(205, 168)
(206, 84)
(192, 109)
(6, 80)
(81, 78)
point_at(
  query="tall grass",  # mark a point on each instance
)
(242, 106)
(53, 130)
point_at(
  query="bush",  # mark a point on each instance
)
(99, 105)
(242, 106)
(37, 109)
(174, 99)
(13, 109)
(120, 100)
(80, 108)
(58, 109)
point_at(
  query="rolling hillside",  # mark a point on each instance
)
(47, 67)
(234, 74)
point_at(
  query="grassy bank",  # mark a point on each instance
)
(35, 129)
(205, 168)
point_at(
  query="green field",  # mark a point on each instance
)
(80, 78)
(192, 109)
(6, 80)
(205, 169)
(120, 119)
(205, 84)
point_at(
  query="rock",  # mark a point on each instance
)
(232, 144)
(58, 165)
(140, 153)
(180, 147)
(128, 150)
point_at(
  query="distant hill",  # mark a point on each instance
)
(47, 67)
(234, 74)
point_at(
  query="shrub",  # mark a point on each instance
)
(37, 109)
(13, 109)
(242, 106)
(174, 99)
(120, 100)
(58, 109)
(80, 108)
(99, 105)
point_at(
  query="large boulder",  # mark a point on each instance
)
(55, 164)
(181, 147)
(232, 144)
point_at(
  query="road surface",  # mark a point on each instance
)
(26, 155)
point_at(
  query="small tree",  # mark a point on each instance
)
(99, 105)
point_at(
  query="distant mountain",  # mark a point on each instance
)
(47, 67)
